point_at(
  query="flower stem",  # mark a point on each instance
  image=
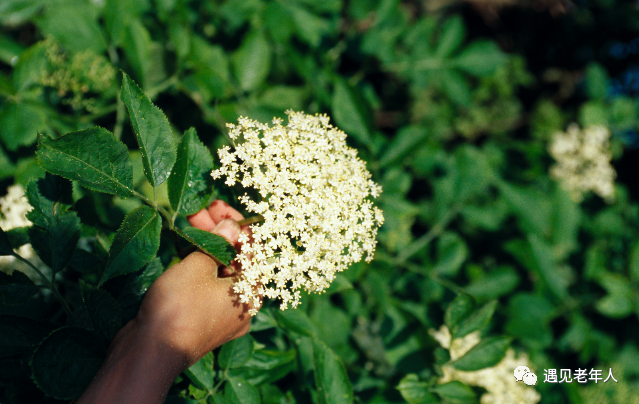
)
(251, 220)
(49, 284)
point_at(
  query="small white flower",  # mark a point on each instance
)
(315, 192)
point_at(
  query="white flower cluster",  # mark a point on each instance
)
(501, 387)
(583, 161)
(314, 192)
(13, 212)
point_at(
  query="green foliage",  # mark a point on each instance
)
(453, 109)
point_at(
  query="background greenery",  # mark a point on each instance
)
(452, 104)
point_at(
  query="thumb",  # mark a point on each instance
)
(229, 229)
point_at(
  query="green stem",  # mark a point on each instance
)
(154, 91)
(424, 240)
(167, 215)
(49, 284)
(251, 220)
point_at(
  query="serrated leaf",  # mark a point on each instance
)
(350, 113)
(18, 236)
(65, 362)
(458, 309)
(487, 353)
(236, 353)
(210, 243)
(415, 391)
(266, 366)
(56, 242)
(20, 334)
(455, 391)
(16, 288)
(240, 391)
(135, 243)
(136, 286)
(152, 131)
(475, 321)
(201, 373)
(252, 62)
(93, 157)
(333, 385)
(190, 183)
(49, 196)
(103, 310)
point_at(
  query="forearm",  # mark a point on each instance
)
(138, 369)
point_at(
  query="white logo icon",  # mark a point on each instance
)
(523, 373)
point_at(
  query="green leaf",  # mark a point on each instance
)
(93, 157)
(333, 385)
(403, 143)
(20, 124)
(480, 58)
(546, 267)
(240, 391)
(103, 310)
(252, 62)
(487, 353)
(451, 254)
(20, 334)
(296, 321)
(529, 318)
(266, 366)
(350, 112)
(201, 373)
(415, 391)
(190, 183)
(137, 45)
(152, 130)
(56, 242)
(451, 37)
(619, 301)
(456, 391)
(74, 24)
(135, 243)
(18, 236)
(459, 309)
(136, 286)
(475, 321)
(210, 243)
(14, 13)
(49, 196)
(16, 288)
(218, 399)
(66, 361)
(456, 87)
(236, 353)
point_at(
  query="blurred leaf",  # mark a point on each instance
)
(296, 321)
(310, 27)
(20, 334)
(20, 124)
(5, 245)
(333, 385)
(480, 58)
(16, 288)
(153, 133)
(190, 183)
(456, 87)
(236, 352)
(565, 222)
(210, 243)
(73, 23)
(455, 391)
(486, 353)
(266, 366)
(252, 62)
(532, 208)
(546, 267)
(634, 262)
(529, 319)
(618, 303)
(93, 157)
(415, 391)
(351, 113)
(17, 12)
(402, 144)
(451, 36)
(66, 361)
(211, 66)
(283, 97)
(9, 50)
(597, 81)
(103, 310)
(118, 16)
(476, 321)
(201, 373)
(498, 282)
(240, 391)
(451, 254)
(458, 310)
(137, 46)
(135, 243)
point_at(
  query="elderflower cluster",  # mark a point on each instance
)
(314, 198)
(583, 161)
(499, 382)
(13, 213)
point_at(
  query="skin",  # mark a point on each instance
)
(187, 312)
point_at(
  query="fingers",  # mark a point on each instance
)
(202, 220)
(229, 229)
(220, 210)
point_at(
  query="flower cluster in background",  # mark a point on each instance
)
(13, 212)
(315, 192)
(501, 386)
(583, 161)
